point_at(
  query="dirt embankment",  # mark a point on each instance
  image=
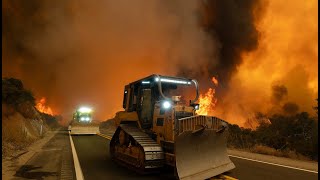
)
(20, 128)
(22, 123)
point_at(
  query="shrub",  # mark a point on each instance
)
(285, 135)
(13, 92)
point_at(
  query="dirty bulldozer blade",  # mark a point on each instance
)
(202, 154)
(84, 129)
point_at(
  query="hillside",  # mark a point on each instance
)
(22, 123)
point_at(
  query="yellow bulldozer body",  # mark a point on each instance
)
(149, 136)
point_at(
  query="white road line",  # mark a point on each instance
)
(77, 167)
(274, 164)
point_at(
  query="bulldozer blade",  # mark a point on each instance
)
(202, 155)
(84, 130)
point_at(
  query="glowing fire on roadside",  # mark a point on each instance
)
(208, 101)
(42, 107)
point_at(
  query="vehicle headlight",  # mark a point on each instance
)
(82, 119)
(88, 119)
(166, 104)
(195, 106)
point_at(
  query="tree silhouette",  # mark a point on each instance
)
(13, 92)
(316, 108)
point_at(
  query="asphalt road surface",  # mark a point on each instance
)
(95, 162)
(53, 161)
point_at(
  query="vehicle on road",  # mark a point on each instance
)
(82, 122)
(160, 127)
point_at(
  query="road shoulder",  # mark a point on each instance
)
(11, 164)
(308, 165)
(49, 157)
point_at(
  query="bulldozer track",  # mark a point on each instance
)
(219, 177)
(133, 168)
(153, 155)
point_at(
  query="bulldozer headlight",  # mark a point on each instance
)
(82, 119)
(87, 119)
(195, 106)
(166, 104)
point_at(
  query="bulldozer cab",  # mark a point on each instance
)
(142, 95)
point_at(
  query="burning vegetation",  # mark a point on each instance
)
(42, 107)
(208, 100)
(265, 65)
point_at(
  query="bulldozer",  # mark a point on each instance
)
(159, 127)
(83, 123)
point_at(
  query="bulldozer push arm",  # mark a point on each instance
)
(193, 80)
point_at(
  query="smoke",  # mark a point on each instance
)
(263, 53)
(290, 108)
(84, 53)
(231, 25)
(279, 92)
(279, 101)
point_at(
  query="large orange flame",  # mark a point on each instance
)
(208, 101)
(42, 107)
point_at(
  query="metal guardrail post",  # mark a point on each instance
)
(41, 130)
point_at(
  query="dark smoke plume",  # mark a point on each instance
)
(279, 92)
(232, 24)
(290, 108)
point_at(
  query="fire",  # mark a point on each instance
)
(42, 107)
(287, 55)
(208, 101)
(215, 81)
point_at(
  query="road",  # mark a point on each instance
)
(52, 161)
(93, 154)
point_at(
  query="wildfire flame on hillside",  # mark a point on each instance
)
(42, 107)
(208, 101)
